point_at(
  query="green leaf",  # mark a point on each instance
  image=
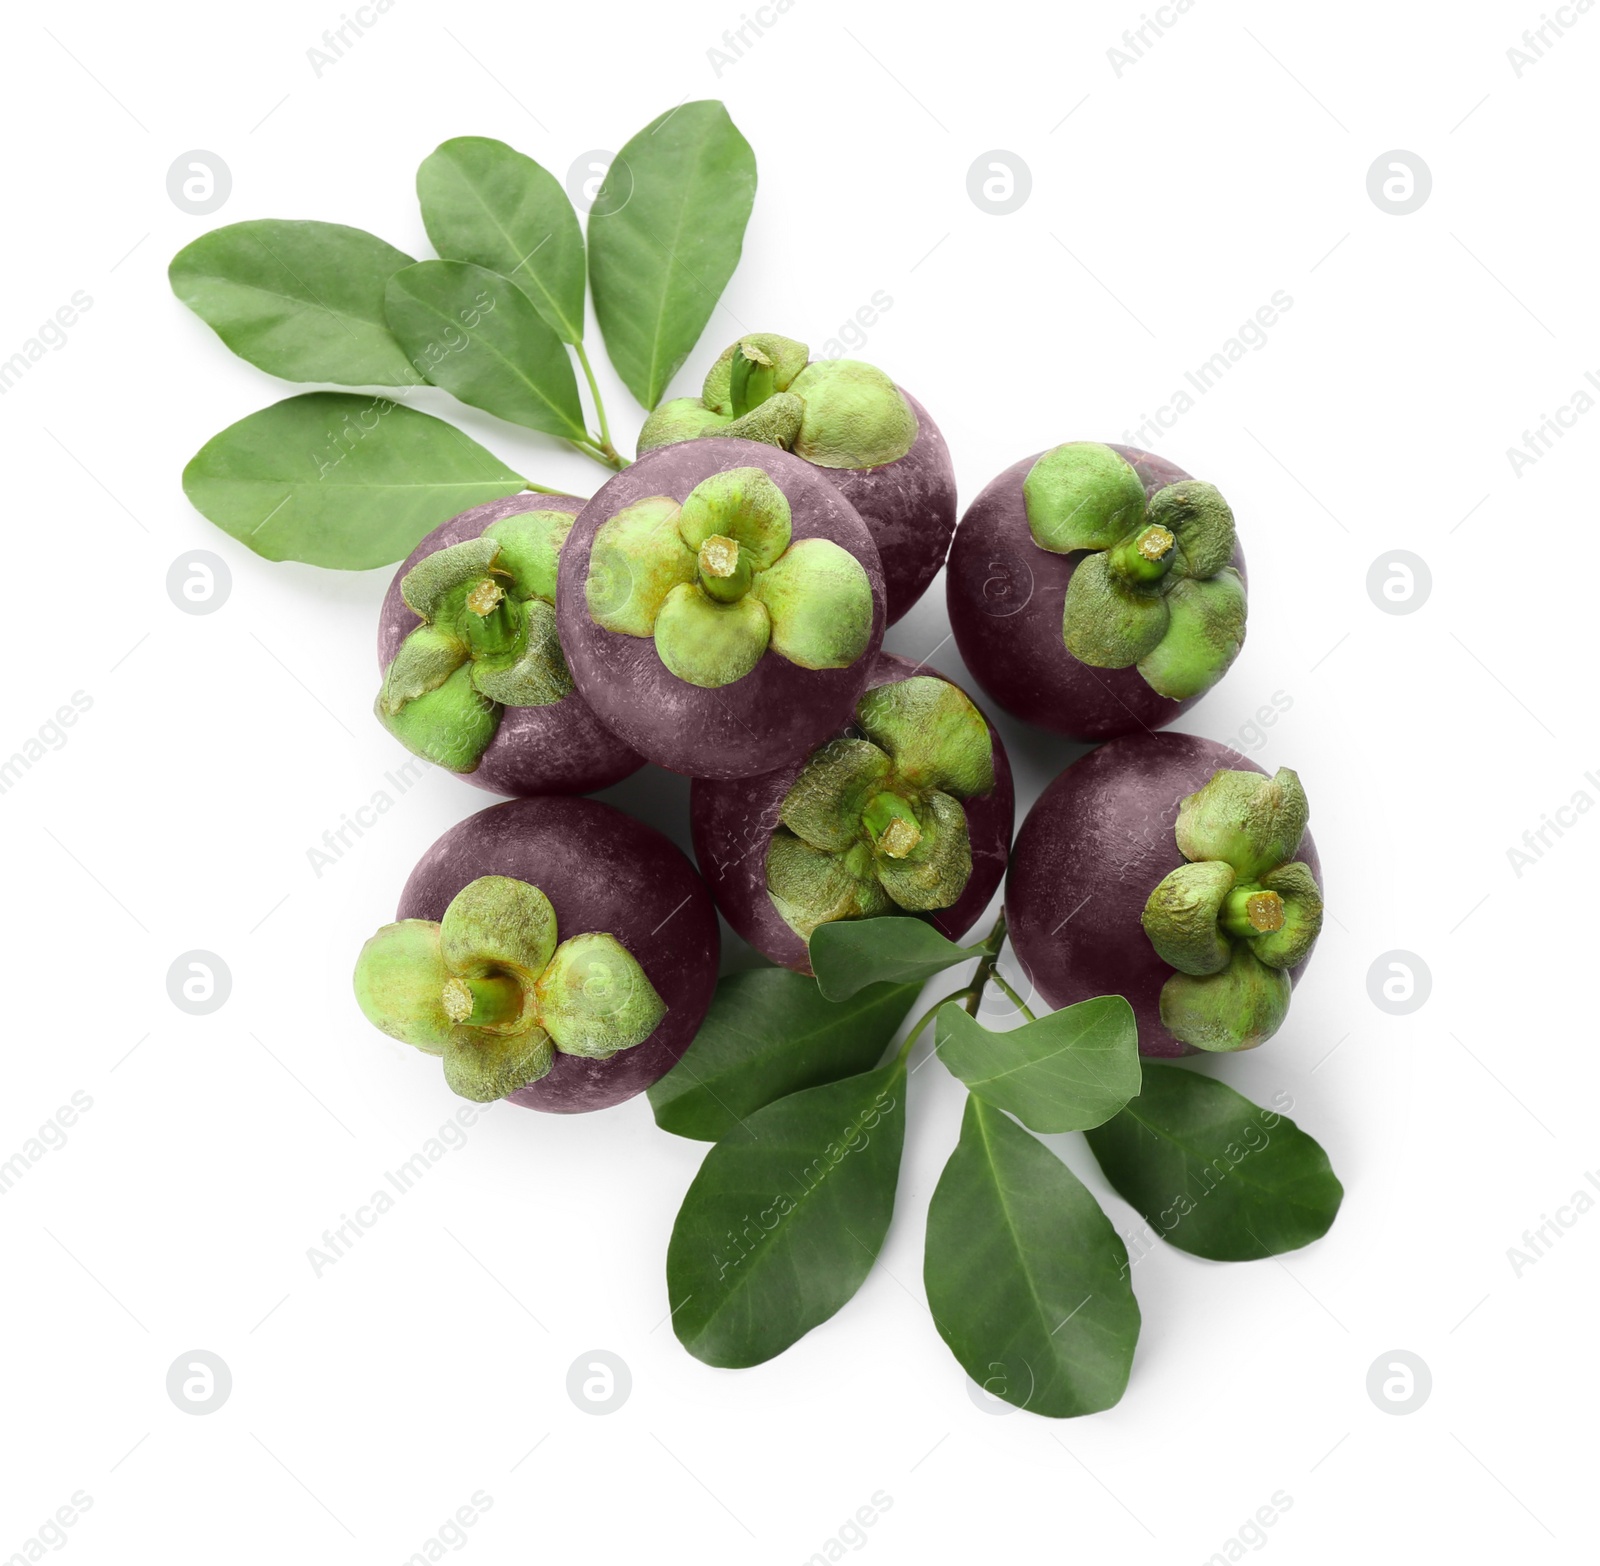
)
(1214, 1174)
(478, 335)
(664, 238)
(1026, 1278)
(300, 300)
(780, 1229)
(849, 954)
(1066, 1072)
(339, 480)
(770, 1033)
(487, 203)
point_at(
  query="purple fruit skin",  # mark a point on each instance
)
(733, 822)
(776, 713)
(909, 507)
(1095, 845)
(1005, 596)
(559, 749)
(601, 870)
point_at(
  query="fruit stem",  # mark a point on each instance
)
(482, 1003)
(1248, 911)
(892, 824)
(1143, 557)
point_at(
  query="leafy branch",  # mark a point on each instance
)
(497, 321)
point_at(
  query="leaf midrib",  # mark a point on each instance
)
(522, 261)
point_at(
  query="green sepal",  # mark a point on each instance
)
(424, 661)
(1107, 624)
(710, 644)
(1180, 917)
(811, 887)
(450, 725)
(1204, 634)
(787, 357)
(820, 600)
(538, 675)
(935, 873)
(530, 549)
(1253, 822)
(637, 559)
(775, 422)
(498, 922)
(1201, 520)
(1238, 1008)
(1081, 495)
(485, 1066)
(855, 416)
(595, 999)
(742, 504)
(426, 585)
(1302, 917)
(825, 801)
(683, 418)
(399, 978)
(935, 735)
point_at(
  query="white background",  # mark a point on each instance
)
(1167, 204)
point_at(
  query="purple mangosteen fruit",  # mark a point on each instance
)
(720, 604)
(908, 808)
(474, 679)
(554, 952)
(870, 438)
(1097, 590)
(1173, 871)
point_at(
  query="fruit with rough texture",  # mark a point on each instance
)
(1136, 851)
(547, 740)
(861, 832)
(554, 952)
(719, 605)
(870, 438)
(1097, 590)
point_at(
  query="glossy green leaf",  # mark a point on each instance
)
(664, 237)
(1070, 1070)
(478, 335)
(340, 480)
(1213, 1173)
(1027, 1280)
(487, 203)
(770, 1033)
(781, 1227)
(300, 300)
(849, 954)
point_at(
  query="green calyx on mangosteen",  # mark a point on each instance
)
(1158, 591)
(834, 413)
(717, 580)
(492, 990)
(1239, 915)
(875, 824)
(487, 641)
